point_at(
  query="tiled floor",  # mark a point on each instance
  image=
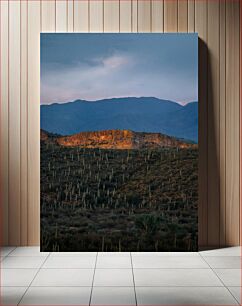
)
(29, 277)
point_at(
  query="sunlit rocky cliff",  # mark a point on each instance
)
(116, 139)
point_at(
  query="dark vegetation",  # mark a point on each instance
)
(118, 200)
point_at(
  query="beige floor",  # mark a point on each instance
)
(29, 277)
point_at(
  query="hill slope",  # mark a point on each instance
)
(115, 139)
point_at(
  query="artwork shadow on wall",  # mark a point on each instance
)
(119, 142)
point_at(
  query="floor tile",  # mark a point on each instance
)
(169, 262)
(230, 251)
(57, 296)
(236, 292)
(112, 262)
(219, 262)
(73, 254)
(113, 296)
(4, 251)
(17, 277)
(11, 295)
(114, 254)
(176, 277)
(184, 296)
(113, 277)
(70, 262)
(23, 262)
(230, 277)
(28, 251)
(166, 254)
(64, 277)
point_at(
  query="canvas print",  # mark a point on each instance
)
(119, 142)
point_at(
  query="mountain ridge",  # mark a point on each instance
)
(144, 114)
(117, 99)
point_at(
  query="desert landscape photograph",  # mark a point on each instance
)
(119, 142)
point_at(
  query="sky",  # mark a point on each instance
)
(98, 66)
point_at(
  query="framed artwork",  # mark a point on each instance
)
(119, 142)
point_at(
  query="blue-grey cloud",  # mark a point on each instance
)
(96, 66)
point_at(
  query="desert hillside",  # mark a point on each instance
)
(116, 139)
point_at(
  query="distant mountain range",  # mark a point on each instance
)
(144, 114)
(115, 139)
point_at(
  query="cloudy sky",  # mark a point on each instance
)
(97, 66)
